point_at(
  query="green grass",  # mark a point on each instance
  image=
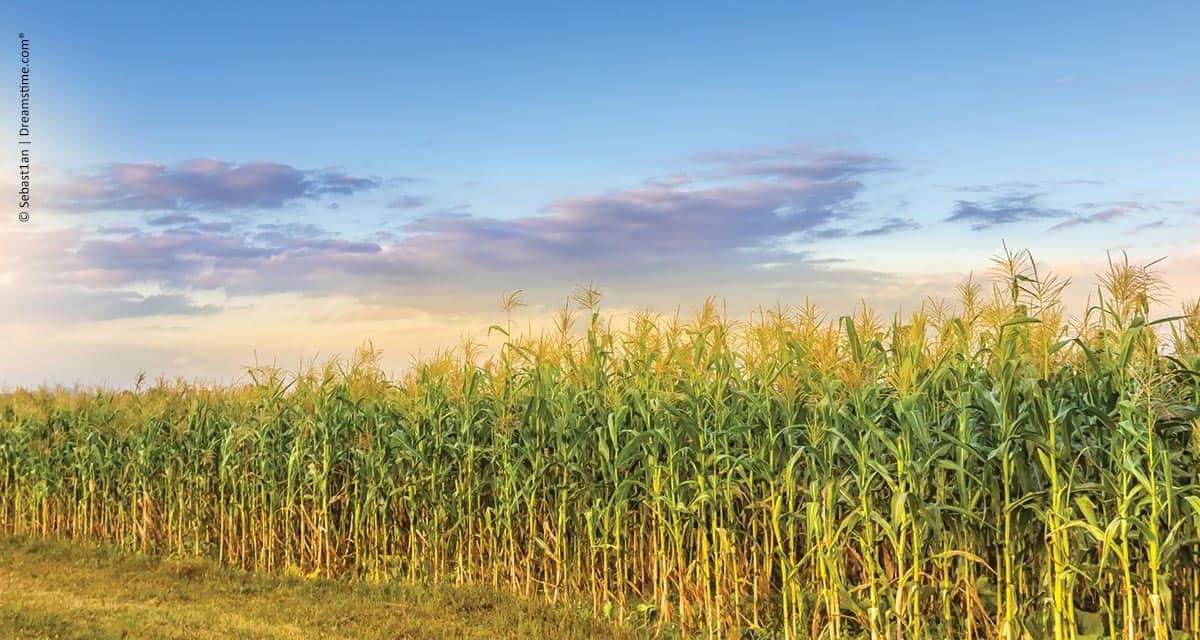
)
(64, 590)
(995, 466)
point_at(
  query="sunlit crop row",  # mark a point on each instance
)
(996, 466)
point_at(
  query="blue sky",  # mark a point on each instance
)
(205, 167)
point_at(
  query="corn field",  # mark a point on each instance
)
(993, 466)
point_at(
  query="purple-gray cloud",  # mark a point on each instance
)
(798, 163)
(671, 181)
(883, 227)
(1107, 214)
(406, 202)
(640, 226)
(1155, 224)
(307, 238)
(46, 303)
(118, 229)
(186, 258)
(1018, 202)
(173, 219)
(1004, 209)
(213, 227)
(133, 305)
(202, 184)
(762, 209)
(1112, 211)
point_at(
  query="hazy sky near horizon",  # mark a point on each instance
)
(216, 184)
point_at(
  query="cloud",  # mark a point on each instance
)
(117, 229)
(133, 305)
(336, 182)
(43, 278)
(406, 202)
(676, 180)
(798, 163)
(639, 226)
(1107, 214)
(184, 258)
(1011, 186)
(1017, 187)
(1016, 201)
(201, 185)
(1004, 209)
(173, 219)
(1154, 224)
(762, 208)
(883, 227)
(308, 238)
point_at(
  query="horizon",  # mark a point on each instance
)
(299, 182)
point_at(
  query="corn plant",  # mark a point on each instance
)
(987, 467)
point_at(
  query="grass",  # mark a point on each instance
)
(994, 466)
(61, 590)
